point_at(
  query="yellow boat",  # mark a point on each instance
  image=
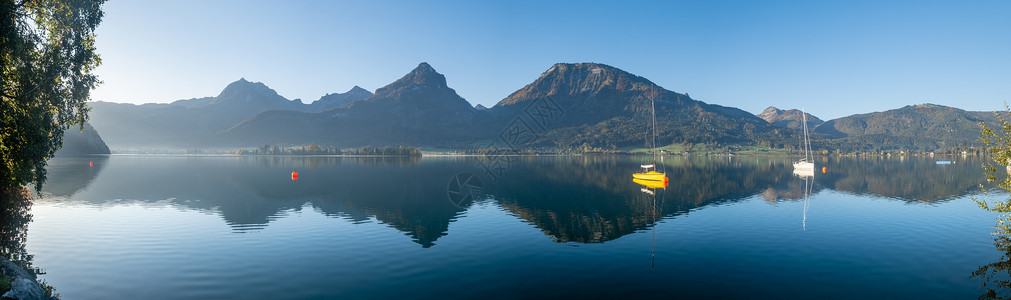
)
(653, 184)
(651, 176)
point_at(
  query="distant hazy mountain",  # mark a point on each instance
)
(338, 99)
(76, 141)
(195, 122)
(602, 106)
(568, 106)
(417, 109)
(251, 94)
(195, 102)
(792, 118)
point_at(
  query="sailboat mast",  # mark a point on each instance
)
(652, 108)
(807, 143)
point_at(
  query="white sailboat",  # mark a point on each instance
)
(804, 167)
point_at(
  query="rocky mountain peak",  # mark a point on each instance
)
(771, 111)
(422, 77)
(242, 86)
(792, 118)
(592, 74)
(584, 80)
(357, 89)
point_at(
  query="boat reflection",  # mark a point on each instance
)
(808, 184)
(649, 189)
(583, 199)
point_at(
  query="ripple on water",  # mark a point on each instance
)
(301, 247)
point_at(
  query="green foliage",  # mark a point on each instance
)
(995, 276)
(47, 290)
(47, 54)
(999, 147)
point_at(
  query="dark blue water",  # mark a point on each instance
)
(189, 227)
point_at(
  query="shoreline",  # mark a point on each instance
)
(24, 285)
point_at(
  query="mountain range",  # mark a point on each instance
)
(914, 127)
(596, 105)
(569, 106)
(197, 122)
(417, 109)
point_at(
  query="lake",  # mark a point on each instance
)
(226, 227)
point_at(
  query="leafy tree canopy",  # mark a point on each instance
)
(994, 276)
(47, 54)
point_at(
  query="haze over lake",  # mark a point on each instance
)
(227, 227)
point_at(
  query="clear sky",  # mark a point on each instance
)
(834, 58)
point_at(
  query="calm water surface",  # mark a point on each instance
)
(190, 227)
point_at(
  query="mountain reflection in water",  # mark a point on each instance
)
(587, 199)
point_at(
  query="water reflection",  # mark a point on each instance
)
(588, 199)
(649, 191)
(250, 192)
(15, 214)
(915, 180)
(74, 173)
(585, 203)
(808, 183)
(995, 277)
(14, 218)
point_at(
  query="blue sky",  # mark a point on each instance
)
(832, 58)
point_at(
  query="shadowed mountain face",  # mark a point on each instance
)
(417, 109)
(339, 99)
(196, 122)
(82, 140)
(792, 118)
(569, 106)
(602, 106)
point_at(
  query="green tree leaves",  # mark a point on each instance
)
(994, 276)
(47, 55)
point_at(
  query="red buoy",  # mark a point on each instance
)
(91, 164)
(294, 175)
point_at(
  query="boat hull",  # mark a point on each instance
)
(653, 184)
(803, 165)
(803, 173)
(651, 175)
